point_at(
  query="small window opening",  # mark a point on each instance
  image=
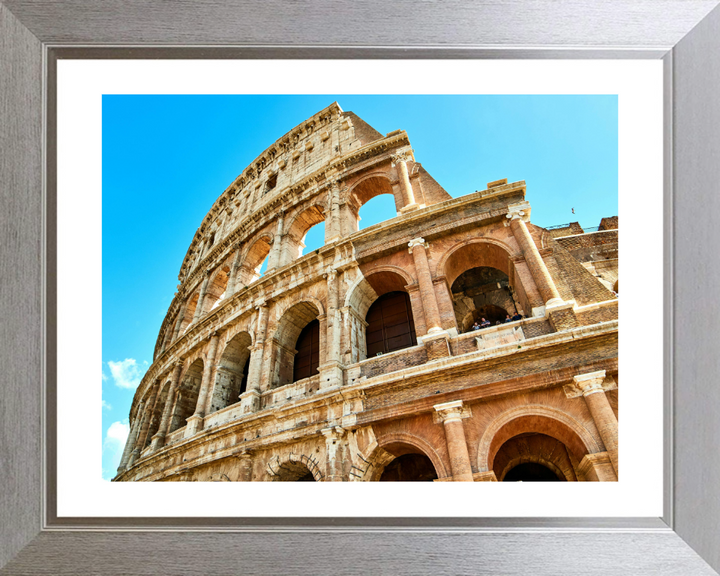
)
(271, 183)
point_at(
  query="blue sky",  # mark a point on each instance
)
(167, 158)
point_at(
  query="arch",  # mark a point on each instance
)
(187, 395)
(393, 444)
(529, 418)
(552, 472)
(232, 372)
(298, 228)
(294, 468)
(257, 252)
(217, 284)
(491, 252)
(371, 185)
(189, 313)
(482, 292)
(157, 412)
(535, 448)
(362, 293)
(292, 321)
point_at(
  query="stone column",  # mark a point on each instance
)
(330, 368)
(333, 453)
(195, 422)
(250, 399)
(399, 160)
(181, 315)
(230, 290)
(592, 387)
(518, 214)
(158, 441)
(201, 298)
(417, 248)
(132, 437)
(332, 227)
(452, 414)
(145, 425)
(246, 463)
(275, 251)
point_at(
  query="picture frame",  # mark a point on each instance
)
(33, 36)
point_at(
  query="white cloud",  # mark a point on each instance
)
(104, 377)
(113, 446)
(106, 405)
(128, 373)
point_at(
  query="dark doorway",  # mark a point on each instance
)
(409, 468)
(307, 358)
(531, 472)
(390, 324)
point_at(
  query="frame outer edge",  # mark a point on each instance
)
(696, 134)
(21, 277)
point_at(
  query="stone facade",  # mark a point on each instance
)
(533, 397)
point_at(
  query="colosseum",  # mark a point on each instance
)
(455, 341)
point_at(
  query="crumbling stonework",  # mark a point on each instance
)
(534, 398)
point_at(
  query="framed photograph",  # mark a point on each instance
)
(448, 338)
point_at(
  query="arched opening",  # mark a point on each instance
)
(378, 209)
(482, 292)
(615, 287)
(216, 289)
(187, 395)
(254, 264)
(481, 274)
(409, 465)
(314, 239)
(531, 472)
(232, 371)
(294, 472)
(287, 338)
(368, 189)
(390, 324)
(307, 358)
(296, 235)
(409, 468)
(533, 457)
(157, 413)
(189, 313)
(553, 440)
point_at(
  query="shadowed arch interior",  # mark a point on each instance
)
(216, 288)
(298, 230)
(410, 465)
(187, 395)
(482, 292)
(286, 337)
(231, 377)
(249, 270)
(534, 449)
(156, 415)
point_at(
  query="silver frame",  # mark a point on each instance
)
(34, 34)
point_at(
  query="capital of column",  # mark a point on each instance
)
(519, 211)
(333, 433)
(417, 242)
(586, 384)
(451, 411)
(398, 157)
(331, 274)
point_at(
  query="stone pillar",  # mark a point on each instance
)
(195, 422)
(158, 441)
(331, 369)
(451, 414)
(181, 316)
(417, 248)
(332, 227)
(399, 160)
(250, 399)
(246, 464)
(333, 453)
(592, 387)
(518, 214)
(132, 437)
(275, 251)
(201, 298)
(145, 425)
(232, 280)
